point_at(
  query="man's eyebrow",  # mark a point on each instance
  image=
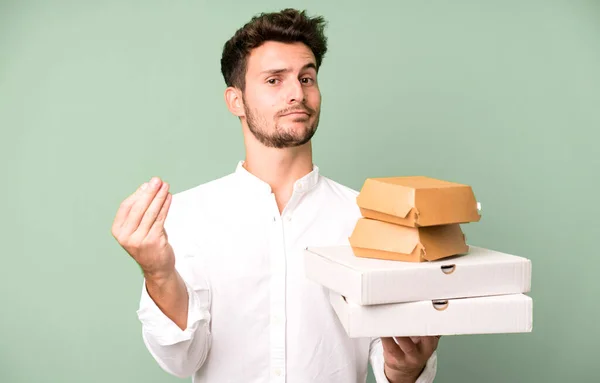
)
(310, 65)
(287, 70)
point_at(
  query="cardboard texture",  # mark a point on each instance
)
(480, 315)
(417, 201)
(483, 272)
(383, 240)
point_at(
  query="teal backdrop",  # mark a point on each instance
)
(98, 96)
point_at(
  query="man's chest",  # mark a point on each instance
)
(262, 254)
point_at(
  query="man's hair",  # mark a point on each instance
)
(287, 26)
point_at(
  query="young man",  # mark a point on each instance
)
(225, 298)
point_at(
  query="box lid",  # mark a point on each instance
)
(366, 281)
(511, 313)
(383, 240)
(417, 201)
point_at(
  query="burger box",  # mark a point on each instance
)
(384, 240)
(417, 201)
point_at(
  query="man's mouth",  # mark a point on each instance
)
(296, 113)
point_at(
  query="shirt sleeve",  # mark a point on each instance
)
(178, 352)
(376, 359)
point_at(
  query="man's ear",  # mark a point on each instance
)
(234, 101)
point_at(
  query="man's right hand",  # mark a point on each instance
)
(139, 228)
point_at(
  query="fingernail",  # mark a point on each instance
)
(144, 186)
(154, 181)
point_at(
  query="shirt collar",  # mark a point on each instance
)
(302, 185)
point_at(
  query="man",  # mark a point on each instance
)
(225, 298)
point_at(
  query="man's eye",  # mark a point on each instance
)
(272, 81)
(307, 80)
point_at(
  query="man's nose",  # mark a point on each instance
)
(295, 92)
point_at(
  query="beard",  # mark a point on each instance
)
(282, 137)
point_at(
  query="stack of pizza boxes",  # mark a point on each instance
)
(407, 269)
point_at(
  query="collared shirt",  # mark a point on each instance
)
(253, 316)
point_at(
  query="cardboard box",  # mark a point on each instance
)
(417, 201)
(482, 272)
(481, 315)
(384, 240)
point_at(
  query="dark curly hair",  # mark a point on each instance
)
(286, 26)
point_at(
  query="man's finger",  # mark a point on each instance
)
(158, 225)
(153, 210)
(406, 345)
(390, 347)
(140, 206)
(429, 344)
(125, 207)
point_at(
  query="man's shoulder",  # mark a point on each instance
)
(215, 186)
(340, 197)
(340, 190)
(339, 204)
(200, 198)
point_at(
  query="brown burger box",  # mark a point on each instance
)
(417, 201)
(384, 240)
(413, 218)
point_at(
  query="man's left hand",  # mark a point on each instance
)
(405, 358)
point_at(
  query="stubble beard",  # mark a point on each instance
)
(280, 138)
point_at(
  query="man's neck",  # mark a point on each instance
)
(280, 168)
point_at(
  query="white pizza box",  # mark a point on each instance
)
(511, 313)
(367, 281)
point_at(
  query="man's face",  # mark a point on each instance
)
(282, 101)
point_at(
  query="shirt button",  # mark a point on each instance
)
(277, 372)
(288, 218)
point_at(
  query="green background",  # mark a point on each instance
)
(97, 97)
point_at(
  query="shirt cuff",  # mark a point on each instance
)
(162, 329)
(428, 374)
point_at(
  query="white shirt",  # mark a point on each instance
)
(253, 315)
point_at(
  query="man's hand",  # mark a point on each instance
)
(406, 357)
(138, 227)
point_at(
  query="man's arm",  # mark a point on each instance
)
(170, 295)
(174, 314)
(179, 345)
